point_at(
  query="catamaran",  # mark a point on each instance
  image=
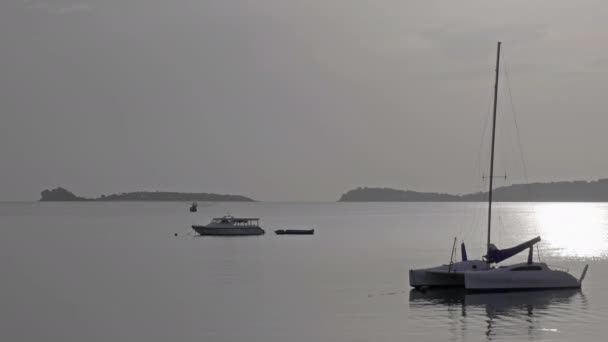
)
(481, 274)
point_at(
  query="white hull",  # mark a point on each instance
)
(202, 230)
(446, 275)
(522, 276)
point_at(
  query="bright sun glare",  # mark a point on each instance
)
(574, 229)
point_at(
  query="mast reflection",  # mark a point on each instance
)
(528, 306)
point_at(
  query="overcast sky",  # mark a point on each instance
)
(295, 100)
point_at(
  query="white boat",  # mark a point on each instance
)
(523, 276)
(230, 226)
(481, 275)
(452, 274)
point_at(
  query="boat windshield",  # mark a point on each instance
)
(236, 221)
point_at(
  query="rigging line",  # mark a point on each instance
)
(504, 155)
(520, 146)
(502, 227)
(521, 150)
(464, 232)
(483, 135)
(480, 181)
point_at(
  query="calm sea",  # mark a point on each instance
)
(117, 272)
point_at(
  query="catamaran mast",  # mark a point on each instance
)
(492, 153)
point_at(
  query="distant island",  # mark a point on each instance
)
(577, 191)
(61, 194)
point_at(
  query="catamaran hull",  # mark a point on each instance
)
(428, 278)
(446, 275)
(228, 231)
(498, 280)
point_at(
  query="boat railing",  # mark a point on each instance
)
(246, 224)
(237, 221)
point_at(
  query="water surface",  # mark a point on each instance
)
(117, 272)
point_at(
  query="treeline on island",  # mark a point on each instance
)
(577, 191)
(61, 194)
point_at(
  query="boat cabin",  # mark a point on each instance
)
(238, 222)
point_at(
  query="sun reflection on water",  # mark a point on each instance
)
(574, 229)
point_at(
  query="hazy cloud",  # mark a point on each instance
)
(294, 100)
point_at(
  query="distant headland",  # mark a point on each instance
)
(61, 194)
(577, 191)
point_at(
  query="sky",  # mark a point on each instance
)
(296, 100)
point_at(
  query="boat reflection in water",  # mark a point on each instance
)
(502, 314)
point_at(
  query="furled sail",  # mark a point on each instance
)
(496, 255)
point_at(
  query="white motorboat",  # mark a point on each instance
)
(230, 226)
(452, 274)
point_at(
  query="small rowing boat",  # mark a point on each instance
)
(295, 231)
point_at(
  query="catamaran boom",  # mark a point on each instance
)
(496, 255)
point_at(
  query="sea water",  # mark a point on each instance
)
(118, 272)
